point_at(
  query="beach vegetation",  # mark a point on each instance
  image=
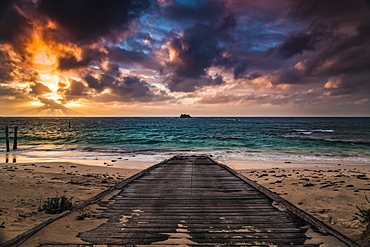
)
(84, 213)
(56, 205)
(364, 211)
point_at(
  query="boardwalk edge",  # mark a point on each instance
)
(17, 240)
(306, 217)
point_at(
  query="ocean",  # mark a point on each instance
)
(152, 139)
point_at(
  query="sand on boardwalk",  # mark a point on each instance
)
(328, 190)
(25, 187)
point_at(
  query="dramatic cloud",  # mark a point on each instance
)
(297, 43)
(344, 48)
(131, 58)
(124, 88)
(184, 84)
(10, 92)
(6, 68)
(70, 61)
(68, 56)
(39, 88)
(15, 27)
(87, 20)
(194, 51)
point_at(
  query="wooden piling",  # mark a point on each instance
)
(7, 138)
(15, 143)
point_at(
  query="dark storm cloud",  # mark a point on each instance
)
(39, 88)
(349, 84)
(50, 104)
(307, 40)
(340, 54)
(8, 91)
(94, 83)
(251, 98)
(131, 58)
(124, 88)
(332, 48)
(287, 76)
(195, 51)
(87, 20)
(69, 61)
(6, 68)
(182, 84)
(194, 11)
(240, 68)
(133, 88)
(342, 47)
(105, 80)
(333, 10)
(75, 90)
(253, 76)
(15, 28)
(206, 33)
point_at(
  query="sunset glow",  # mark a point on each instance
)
(160, 58)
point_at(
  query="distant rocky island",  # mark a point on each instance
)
(185, 116)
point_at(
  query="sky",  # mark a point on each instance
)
(201, 57)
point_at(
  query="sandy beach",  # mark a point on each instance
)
(328, 190)
(25, 186)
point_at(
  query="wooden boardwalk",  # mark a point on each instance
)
(193, 201)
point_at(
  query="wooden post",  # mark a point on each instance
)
(15, 144)
(7, 138)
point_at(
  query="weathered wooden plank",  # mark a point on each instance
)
(199, 199)
(201, 229)
(206, 225)
(196, 200)
(204, 214)
(131, 234)
(224, 211)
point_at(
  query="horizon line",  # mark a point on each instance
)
(193, 116)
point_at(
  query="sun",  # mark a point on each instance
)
(44, 60)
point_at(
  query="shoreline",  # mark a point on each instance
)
(328, 190)
(50, 155)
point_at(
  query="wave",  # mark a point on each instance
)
(308, 132)
(152, 142)
(324, 131)
(157, 155)
(309, 137)
(246, 156)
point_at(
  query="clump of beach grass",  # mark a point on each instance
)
(84, 213)
(56, 205)
(364, 212)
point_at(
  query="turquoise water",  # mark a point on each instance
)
(224, 138)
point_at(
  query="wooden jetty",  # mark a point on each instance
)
(195, 201)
